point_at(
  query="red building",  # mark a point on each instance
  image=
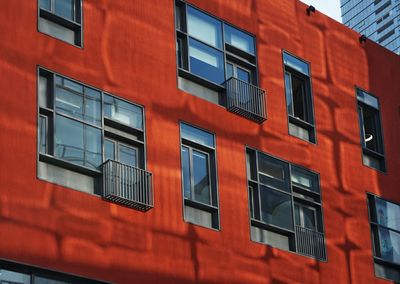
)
(195, 141)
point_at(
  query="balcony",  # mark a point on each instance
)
(127, 185)
(245, 99)
(310, 243)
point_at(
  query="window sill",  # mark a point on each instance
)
(64, 164)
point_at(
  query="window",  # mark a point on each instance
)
(298, 98)
(370, 130)
(13, 273)
(199, 181)
(91, 141)
(61, 19)
(217, 62)
(385, 234)
(285, 205)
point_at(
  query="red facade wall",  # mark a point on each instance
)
(129, 51)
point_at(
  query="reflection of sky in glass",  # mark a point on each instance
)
(206, 62)
(123, 112)
(197, 135)
(239, 39)
(204, 27)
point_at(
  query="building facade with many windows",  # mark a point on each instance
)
(195, 142)
(379, 20)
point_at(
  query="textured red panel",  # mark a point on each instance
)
(129, 51)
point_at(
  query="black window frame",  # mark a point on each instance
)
(310, 197)
(34, 271)
(110, 128)
(378, 154)
(75, 25)
(230, 53)
(379, 262)
(308, 123)
(210, 151)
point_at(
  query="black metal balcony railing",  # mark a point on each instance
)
(310, 242)
(245, 99)
(127, 185)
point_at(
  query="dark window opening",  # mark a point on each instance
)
(298, 98)
(370, 130)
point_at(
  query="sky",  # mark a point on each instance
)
(328, 7)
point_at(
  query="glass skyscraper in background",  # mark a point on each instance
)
(379, 20)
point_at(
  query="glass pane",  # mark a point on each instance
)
(197, 135)
(45, 4)
(304, 178)
(201, 177)
(43, 134)
(92, 106)
(388, 214)
(65, 8)
(7, 276)
(270, 168)
(204, 27)
(239, 39)
(389, 245)
(296, 64)
(309, 218)
(109, 150)
(42, 97)
(276, 208)
(229, 70)
(123, 112)
(289, 97)
(69, 140)
(93, 151)
(127, 155)
(186, 172)
(243, 75)
(206, 62)
(367, 99)
(73, 86)
(69, 103)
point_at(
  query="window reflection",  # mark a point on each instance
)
(239, 39)
(65, 8)
(201, 177)
(204, 27)
(276, 208)
(123, 112)
(206, 62)
(77, 143)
